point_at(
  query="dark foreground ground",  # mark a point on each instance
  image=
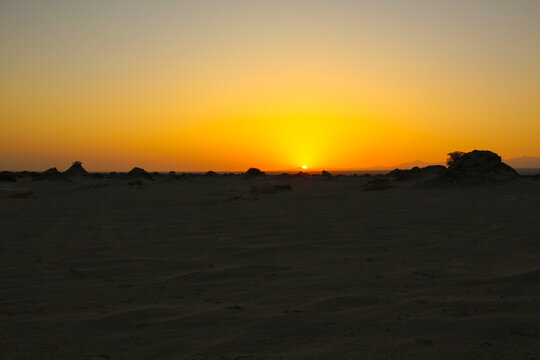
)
(204, 269)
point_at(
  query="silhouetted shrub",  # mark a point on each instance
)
(453, 156)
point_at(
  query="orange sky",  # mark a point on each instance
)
(214, 85)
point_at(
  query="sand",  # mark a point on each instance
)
(202, 268)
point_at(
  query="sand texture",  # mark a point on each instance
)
(206, 268)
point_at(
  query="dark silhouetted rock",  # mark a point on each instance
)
(252, 172)
(417, 173)
(138, 173)
(172, 175)
(478, 167)
(378, 184)
(76, 169)
(7, 176)
(270, 188)
(302, 175)
(54, 175)
(211, 174)
(326, 173)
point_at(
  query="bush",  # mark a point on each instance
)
(453, 157)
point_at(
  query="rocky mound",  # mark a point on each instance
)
(53, 174)
(326, 174)
(252, 172)
(417, 173)
(137, 173)
(302, 175)
(76, 169)
(478, 167)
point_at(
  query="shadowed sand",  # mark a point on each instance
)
(205, 268)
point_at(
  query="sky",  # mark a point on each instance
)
(227, 85)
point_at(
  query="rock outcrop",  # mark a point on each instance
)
(326, 174)
(417, 173)
(54, 175)
(211, 174)
(478, 167)
(253, 172)
(138, 173)
(76, 170)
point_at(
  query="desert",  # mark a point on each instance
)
(259, 266)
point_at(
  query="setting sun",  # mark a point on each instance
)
(304, 167)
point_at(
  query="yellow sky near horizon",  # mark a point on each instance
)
(215, 85)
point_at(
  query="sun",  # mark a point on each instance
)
(304, 167)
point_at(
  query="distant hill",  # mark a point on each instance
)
(405, 166)
(411, 164)
(524, 162)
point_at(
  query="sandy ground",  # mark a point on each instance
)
(203, 269)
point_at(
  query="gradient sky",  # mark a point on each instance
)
(227, 85)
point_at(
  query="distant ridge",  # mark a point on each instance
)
(404, 166)
(524, 162)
